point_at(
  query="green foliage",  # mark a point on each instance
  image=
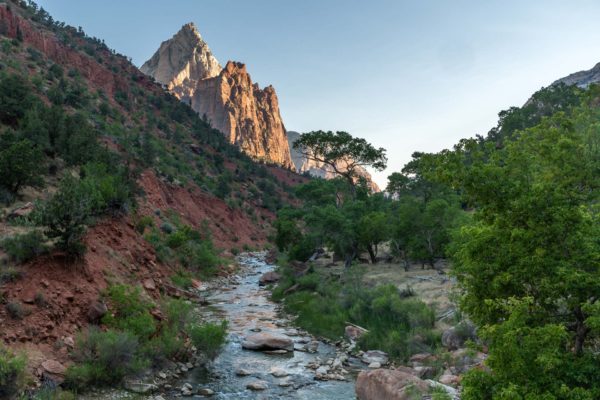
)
(104, 358)
(65, 215)
(208, 337)
(21, 165)
(15, 98)
(529, 262)
(399, 325)
(24, 247)
(130, 312)
(341, 149)
(12, 373)
(9, 274)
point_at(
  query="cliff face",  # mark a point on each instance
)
(246, 114)
(182, 61)
(582, 78)
(314, 168)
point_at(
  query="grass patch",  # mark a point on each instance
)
(398, 324)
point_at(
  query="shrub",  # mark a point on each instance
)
(104, 358)
(21, 165)
(143, 223)
(65, 215)
(15, 310)
(12, 373)
(15, 99)
(24, 247)
(130, 312)
(9, 274)
(208, 337)
(182, 279)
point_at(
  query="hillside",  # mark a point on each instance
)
(112, 165)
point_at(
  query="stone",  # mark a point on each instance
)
(455, 337)
(242, 372)
(149, 284)
(96, 311)
(449, 379)
(54, 367)
(375, 365)
(257, 385)
(372, 356)
(269, 277)
(206, 392)
(386, 384)
(353, 332)
(279, 372)
(312, 347)
(139, 387)
(162, 375)
(268, 341)
(69, 342)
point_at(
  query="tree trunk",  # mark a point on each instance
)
(350, 257)
(581, 331)
(372, 254)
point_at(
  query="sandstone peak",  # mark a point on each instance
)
(246, 114)
(182, 61)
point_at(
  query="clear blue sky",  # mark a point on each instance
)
(405, 75)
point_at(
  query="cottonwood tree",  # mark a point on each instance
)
(529, 264)
(343, 153)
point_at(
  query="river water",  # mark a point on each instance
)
(247, 308)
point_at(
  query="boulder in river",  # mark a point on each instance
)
(386, 384)
(269, 277)
(268, 341)
(374, 356)
(257, 385)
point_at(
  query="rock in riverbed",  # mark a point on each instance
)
(385, 384)
(268, 341)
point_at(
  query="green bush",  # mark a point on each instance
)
(21, 164)
(9, 274)
(24, 247)
(208, 337)
(12, 373)
(15, 310)
(104, 358)
(143, 222)
(130, 312)
(65, 215)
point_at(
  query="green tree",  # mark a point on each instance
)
(20, 165)
(15, 98)
(65, 215)
(529, 264)
(342, 152)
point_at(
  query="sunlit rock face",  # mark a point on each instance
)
(182, 61)
(246, 114)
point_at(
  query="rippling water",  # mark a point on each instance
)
(247, 307)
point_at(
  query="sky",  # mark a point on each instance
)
(405, 75)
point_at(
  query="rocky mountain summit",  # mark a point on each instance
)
(246, 114)
(314, 168)
(182, 61)
(582, 78)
